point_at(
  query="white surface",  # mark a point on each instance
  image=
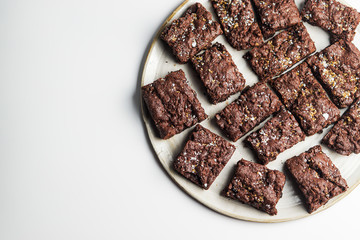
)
(160, 61)
(72, 138)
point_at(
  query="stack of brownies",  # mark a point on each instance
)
(301, 102)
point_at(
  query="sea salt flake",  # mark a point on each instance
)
(193, 43)
(326, 116)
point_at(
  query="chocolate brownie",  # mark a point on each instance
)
(337, 67)
(304, 96)
(278, 134)
(192, 32)
(317, 177)
(203, 157)
(256, 185)
(218, 73)
(281, 52)
(275, 15)
(253, 106)
(172, 104)
(237, 20)
(344, 137)
(332, 16)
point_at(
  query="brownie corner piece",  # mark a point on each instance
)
(332, 16)
(277, 135)
(256, 185)
(337, 68)
(281, 52)
(192, 32)
(218, 73)
(317, 177)
(344, 136)
(275, 15)
(204, 156)
(172, 104)
(237, 20)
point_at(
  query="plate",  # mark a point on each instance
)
(160, 62)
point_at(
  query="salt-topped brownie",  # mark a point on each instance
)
(277, 135)
(316, 176)
(344, 137)
(203, 157)
(332, 16)
(237, 20)
(192, 32)
(256, 185)
(281, 52)
(275, 15)
(337, 67)
(304, 96)
(253, 106)
(218, 73)
(172, 104)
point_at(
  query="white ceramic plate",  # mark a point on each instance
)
(160, 62)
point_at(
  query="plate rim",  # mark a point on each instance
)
(193, 196)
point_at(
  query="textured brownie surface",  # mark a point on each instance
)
(253, 106)
(332, 16)
(303, 95)
(317, 177)
(237, 20)
(344, 137)
(172, 104)
(256, 185)
(194, 31)
(281, 52)
(218, 73)
(278, 134)
(275, 15)
(337, 67)
(203, 157)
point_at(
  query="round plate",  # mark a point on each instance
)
(160, 62)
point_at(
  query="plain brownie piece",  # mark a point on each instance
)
(172, 104)
(337, 67)
(192, 32)
(277, 135)
(344, 137)
(304, 96)
(275, 15)
(218, 73)
(203, 157)
(256, 185)
(317, 177)
(332, 16)
(237, 20)
(281, 52)
(253, 106)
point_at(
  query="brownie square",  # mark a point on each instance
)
(256, 185)
(344, 137)
(304, 96)
(332, 16)
(237, 20)
(192, 32)
(203, 157)
(172, 104)
(281, 52)
(275, 15)
(316, 176)
(218, 73)
(278, 134)
(337, 67)
(253, 106)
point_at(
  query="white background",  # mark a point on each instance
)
(75, 161)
